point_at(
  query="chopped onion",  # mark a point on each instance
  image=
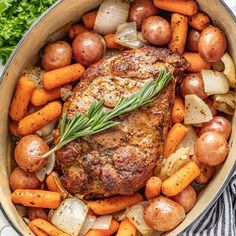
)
(70, 216)
(121, 215)
(110, 15)
(47, 129)
(102, 222)
(229, 70)
(35, 74)
(65, 93)
(196, 110)
(214, 82)
(136, 217)
(189, 140)
(128, 36)
(88, 223)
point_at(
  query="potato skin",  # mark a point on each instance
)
(36, 213)
(212, 44)
(211, 148)
(27, 150)
(187, 198)
(192, 40)
(56, 55)
(156, 30)
(193, 84)
(140, 10)
(163, 214)
(218, 124)
(19, 179)
(209, 103)
(88, 48)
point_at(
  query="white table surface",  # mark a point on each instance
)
(5, 228)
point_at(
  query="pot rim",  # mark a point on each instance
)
(227, 8)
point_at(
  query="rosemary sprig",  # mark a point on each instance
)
(98, 119)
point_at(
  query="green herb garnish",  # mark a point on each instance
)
(98, 119)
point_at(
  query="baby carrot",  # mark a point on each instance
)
(56, 78)
(114, 204)
(153, 187)
(14, 128)
(197, 63)
(174, 138)
(89, 19)
(178, 111)
(110, 42)
(185, 7)
(181, 179)
(46, 227)
(179, 26)
(40, 118)
(36, 198)
(199, 21)
(126, 228)
(75, 30)
(21, 99)
(114, 226)
(37, 231)
(42, 96)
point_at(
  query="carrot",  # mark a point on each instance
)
(76, 30)
(199, 21)
(42, 96)
(185, 7)
(36, 198)
(114, 204)
(178, 111)
(89, 19)
(51, 183)
(197, 63)
(173, 139)
(21, 99)
(56, 78)
(126, 228)
(13, 126)
(91, 213)
(179, 26)
(153, 187)
(37, 231)
(111, 43)
(114, 226)
(181, 179)
(46, 227)
(40, 118)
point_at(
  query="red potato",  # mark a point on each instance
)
(20, 179)
(193, 84)
(192, 40)
(156, 30)
(88, 48)
(187, 198)
(56, 55)
(28, 152)
(212, 44)
(36, 213)
(140, 10)
(163, 214)
(211, 149)
(209, 103)
(218, 124)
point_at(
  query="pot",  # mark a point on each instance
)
(52, 25)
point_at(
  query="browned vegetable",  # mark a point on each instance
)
(199, 21)
(212, 44)
(218, 124)
(192, 41)
(193, 84)
(163, 214)
(211, 148)
(187, 198)
(141, 10)
(56, 55)
(88, 48)
(24, 180)
(28, 152)
(209, 103)
(36, 213)
(156, 30)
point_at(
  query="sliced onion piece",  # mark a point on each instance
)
(136, 217)
(121, 215)
(127, 35)
(70, 216)
(88, 223)
(102, 222)
(47, 129)
(65, 93)
(110, 15)
(196, 110)
(214, 82)
(229, 70)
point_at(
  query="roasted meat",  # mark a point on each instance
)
(121, 159)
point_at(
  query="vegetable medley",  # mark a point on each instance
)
(196, 143)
